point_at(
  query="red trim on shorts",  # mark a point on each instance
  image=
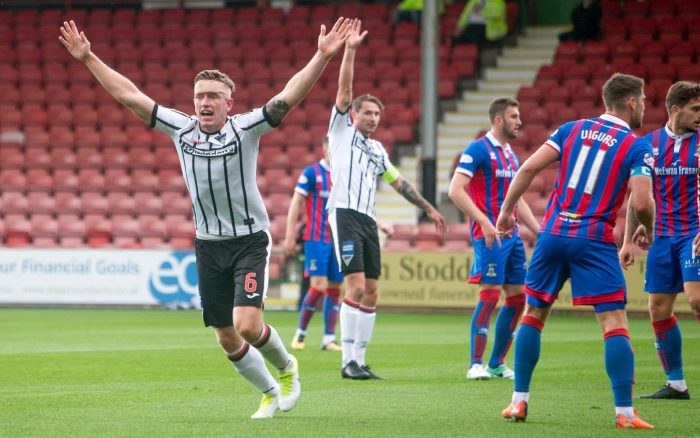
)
(618, 295)
(515, 300)
(665, 325)
(367, 309)
(235, 357)
(533, 322)
(333, 292)
(544, 296)
(474, 279)
(617, 332)
(351, 303)
(489, 295)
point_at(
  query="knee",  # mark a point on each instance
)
(249, 330)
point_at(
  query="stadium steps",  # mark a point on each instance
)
(516, 66)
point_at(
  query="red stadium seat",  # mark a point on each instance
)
(92, 203)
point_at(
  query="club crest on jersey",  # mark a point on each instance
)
(312, 265)
(649, 160)
(491, 270)
(466, 159)
(221, 137)
(347, 251)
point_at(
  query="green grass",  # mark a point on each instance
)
(105, 372)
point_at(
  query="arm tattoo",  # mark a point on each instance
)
(277, 109)
(411, 195)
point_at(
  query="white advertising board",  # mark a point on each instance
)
(101, 277)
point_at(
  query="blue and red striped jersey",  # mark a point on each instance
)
(491, 167)
(597, 157)
(315, 184)
(675, 182)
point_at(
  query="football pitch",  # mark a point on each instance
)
(148, 373)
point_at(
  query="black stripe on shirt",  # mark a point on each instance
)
(212, 192)
(352, 153)
(242, 176)
(199, 201)
(181, 153)
(228, 196)
(153, 115)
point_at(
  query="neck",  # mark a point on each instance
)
(498, 134)
(625, 117)
(673, 127)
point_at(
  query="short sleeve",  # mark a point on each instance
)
(168, 120)
(256, 122)
(558, 137)
(640, 155)
(471, 159)
(386, 162)
(305, 183)
(339, 120)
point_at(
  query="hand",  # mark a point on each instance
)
(439, 221)
(74, 41)
(505, 224)
(329, 44)
(355, 38)
(386, 229)
(626, 256)
(289, 246)
(491, 235)
(696, 245)
(641, 238)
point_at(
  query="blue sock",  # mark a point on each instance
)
(331, 304)
(481, 319)
(527, 351)
(668, 347)
(619, 364)
(506, 322)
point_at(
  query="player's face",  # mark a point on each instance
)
(212, 102)
(511, 122)
(637, 111)
(687, 119)
(367, 118)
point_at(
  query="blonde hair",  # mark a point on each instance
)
(215, 75)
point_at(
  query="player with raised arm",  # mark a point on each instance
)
(672, 263)
(356, 162)
(312, 191)
(218, 155)
(600, 158)
(478, 187)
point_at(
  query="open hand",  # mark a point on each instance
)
(74, 41)
(356, 38)
(329, 43)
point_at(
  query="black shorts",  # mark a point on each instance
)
(355, 242)
(232, 273)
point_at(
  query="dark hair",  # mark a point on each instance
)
(215, 75)
(359, 100)
(681, 93)
(499, 106)
(619, 88)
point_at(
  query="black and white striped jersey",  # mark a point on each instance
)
(356, 162)
(220, 170)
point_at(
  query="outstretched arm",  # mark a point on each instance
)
(347, 68)
(121, 88)
(409, 193)
(300, 84)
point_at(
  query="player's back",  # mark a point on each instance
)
(675, 182)
(315, 184)
(596, 156)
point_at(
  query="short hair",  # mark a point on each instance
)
(499, 106)
(681, 93)
(619, 88)
(359, 100)
(215, 75)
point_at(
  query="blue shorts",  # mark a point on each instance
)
(319, 261)
(670, 263)
(593, 266)
(499, 265)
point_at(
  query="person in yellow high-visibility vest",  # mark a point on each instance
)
(410, 11)
(481, 22)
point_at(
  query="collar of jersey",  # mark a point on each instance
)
(495, 142)
(676, 136)
(618, 121)
(323, 163)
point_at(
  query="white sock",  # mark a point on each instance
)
(252, 367)
(348, 331)
(301, 332)
(678, 385)
(365, 327)
(627, 411)
(520, 396)
(327, 339)
(273, 349)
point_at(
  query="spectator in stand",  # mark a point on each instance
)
(482, 22)
(586, 20)
(410, 11)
